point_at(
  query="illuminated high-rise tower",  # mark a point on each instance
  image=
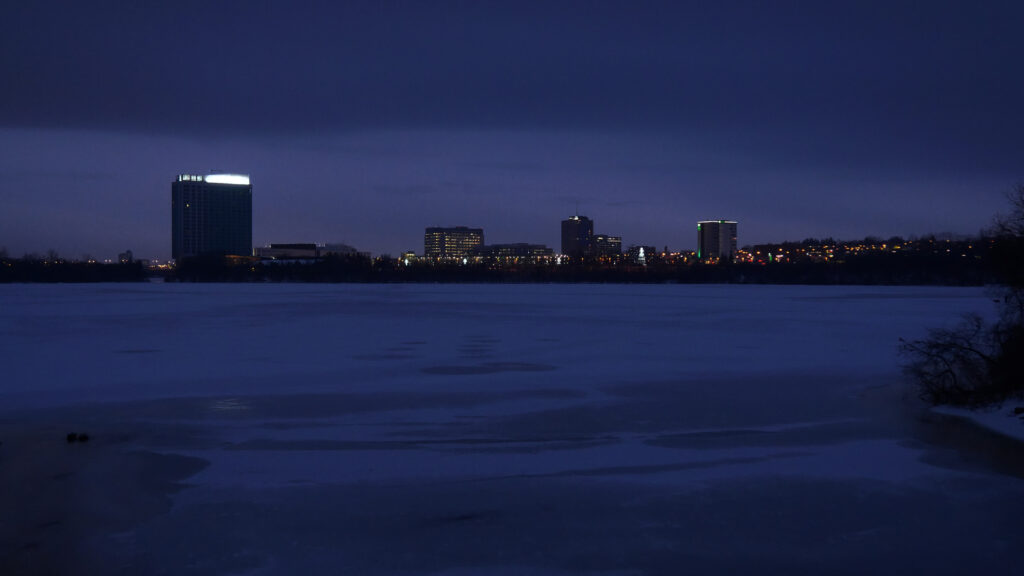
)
(578, 236)
(211, 214)
(716, 239)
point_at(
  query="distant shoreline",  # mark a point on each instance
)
(871, 262)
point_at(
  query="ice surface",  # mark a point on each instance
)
(151, 341)
(523, 429)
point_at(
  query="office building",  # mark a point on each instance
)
(211, 214)
(606, 246)
(578, 236)
(716, 239)
(306, 251)
(451, 243)
(292, 251)
(510, 253)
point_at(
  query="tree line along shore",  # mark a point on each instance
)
(960, 262)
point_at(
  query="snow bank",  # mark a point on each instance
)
(1001, 420)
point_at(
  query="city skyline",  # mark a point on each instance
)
(363, 123)
(214, 177)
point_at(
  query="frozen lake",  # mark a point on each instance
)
(491, 429)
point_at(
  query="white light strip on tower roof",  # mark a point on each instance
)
(239, 179)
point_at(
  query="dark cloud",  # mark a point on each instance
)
(924, 81)
(802, 118)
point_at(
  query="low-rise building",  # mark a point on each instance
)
(451, 243)
(516, 252)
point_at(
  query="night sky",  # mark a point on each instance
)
(365, 122)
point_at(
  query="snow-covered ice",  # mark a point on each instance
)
(521, 429)
(1000, 419)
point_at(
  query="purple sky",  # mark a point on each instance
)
(365, 122)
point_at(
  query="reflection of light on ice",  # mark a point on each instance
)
(229, 405)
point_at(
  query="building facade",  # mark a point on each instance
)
(716, 239)
(606, 246)
(451, 243)
(305, 250)
(578, 236)
(512, 253)
(292, 251)
(211, 214)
